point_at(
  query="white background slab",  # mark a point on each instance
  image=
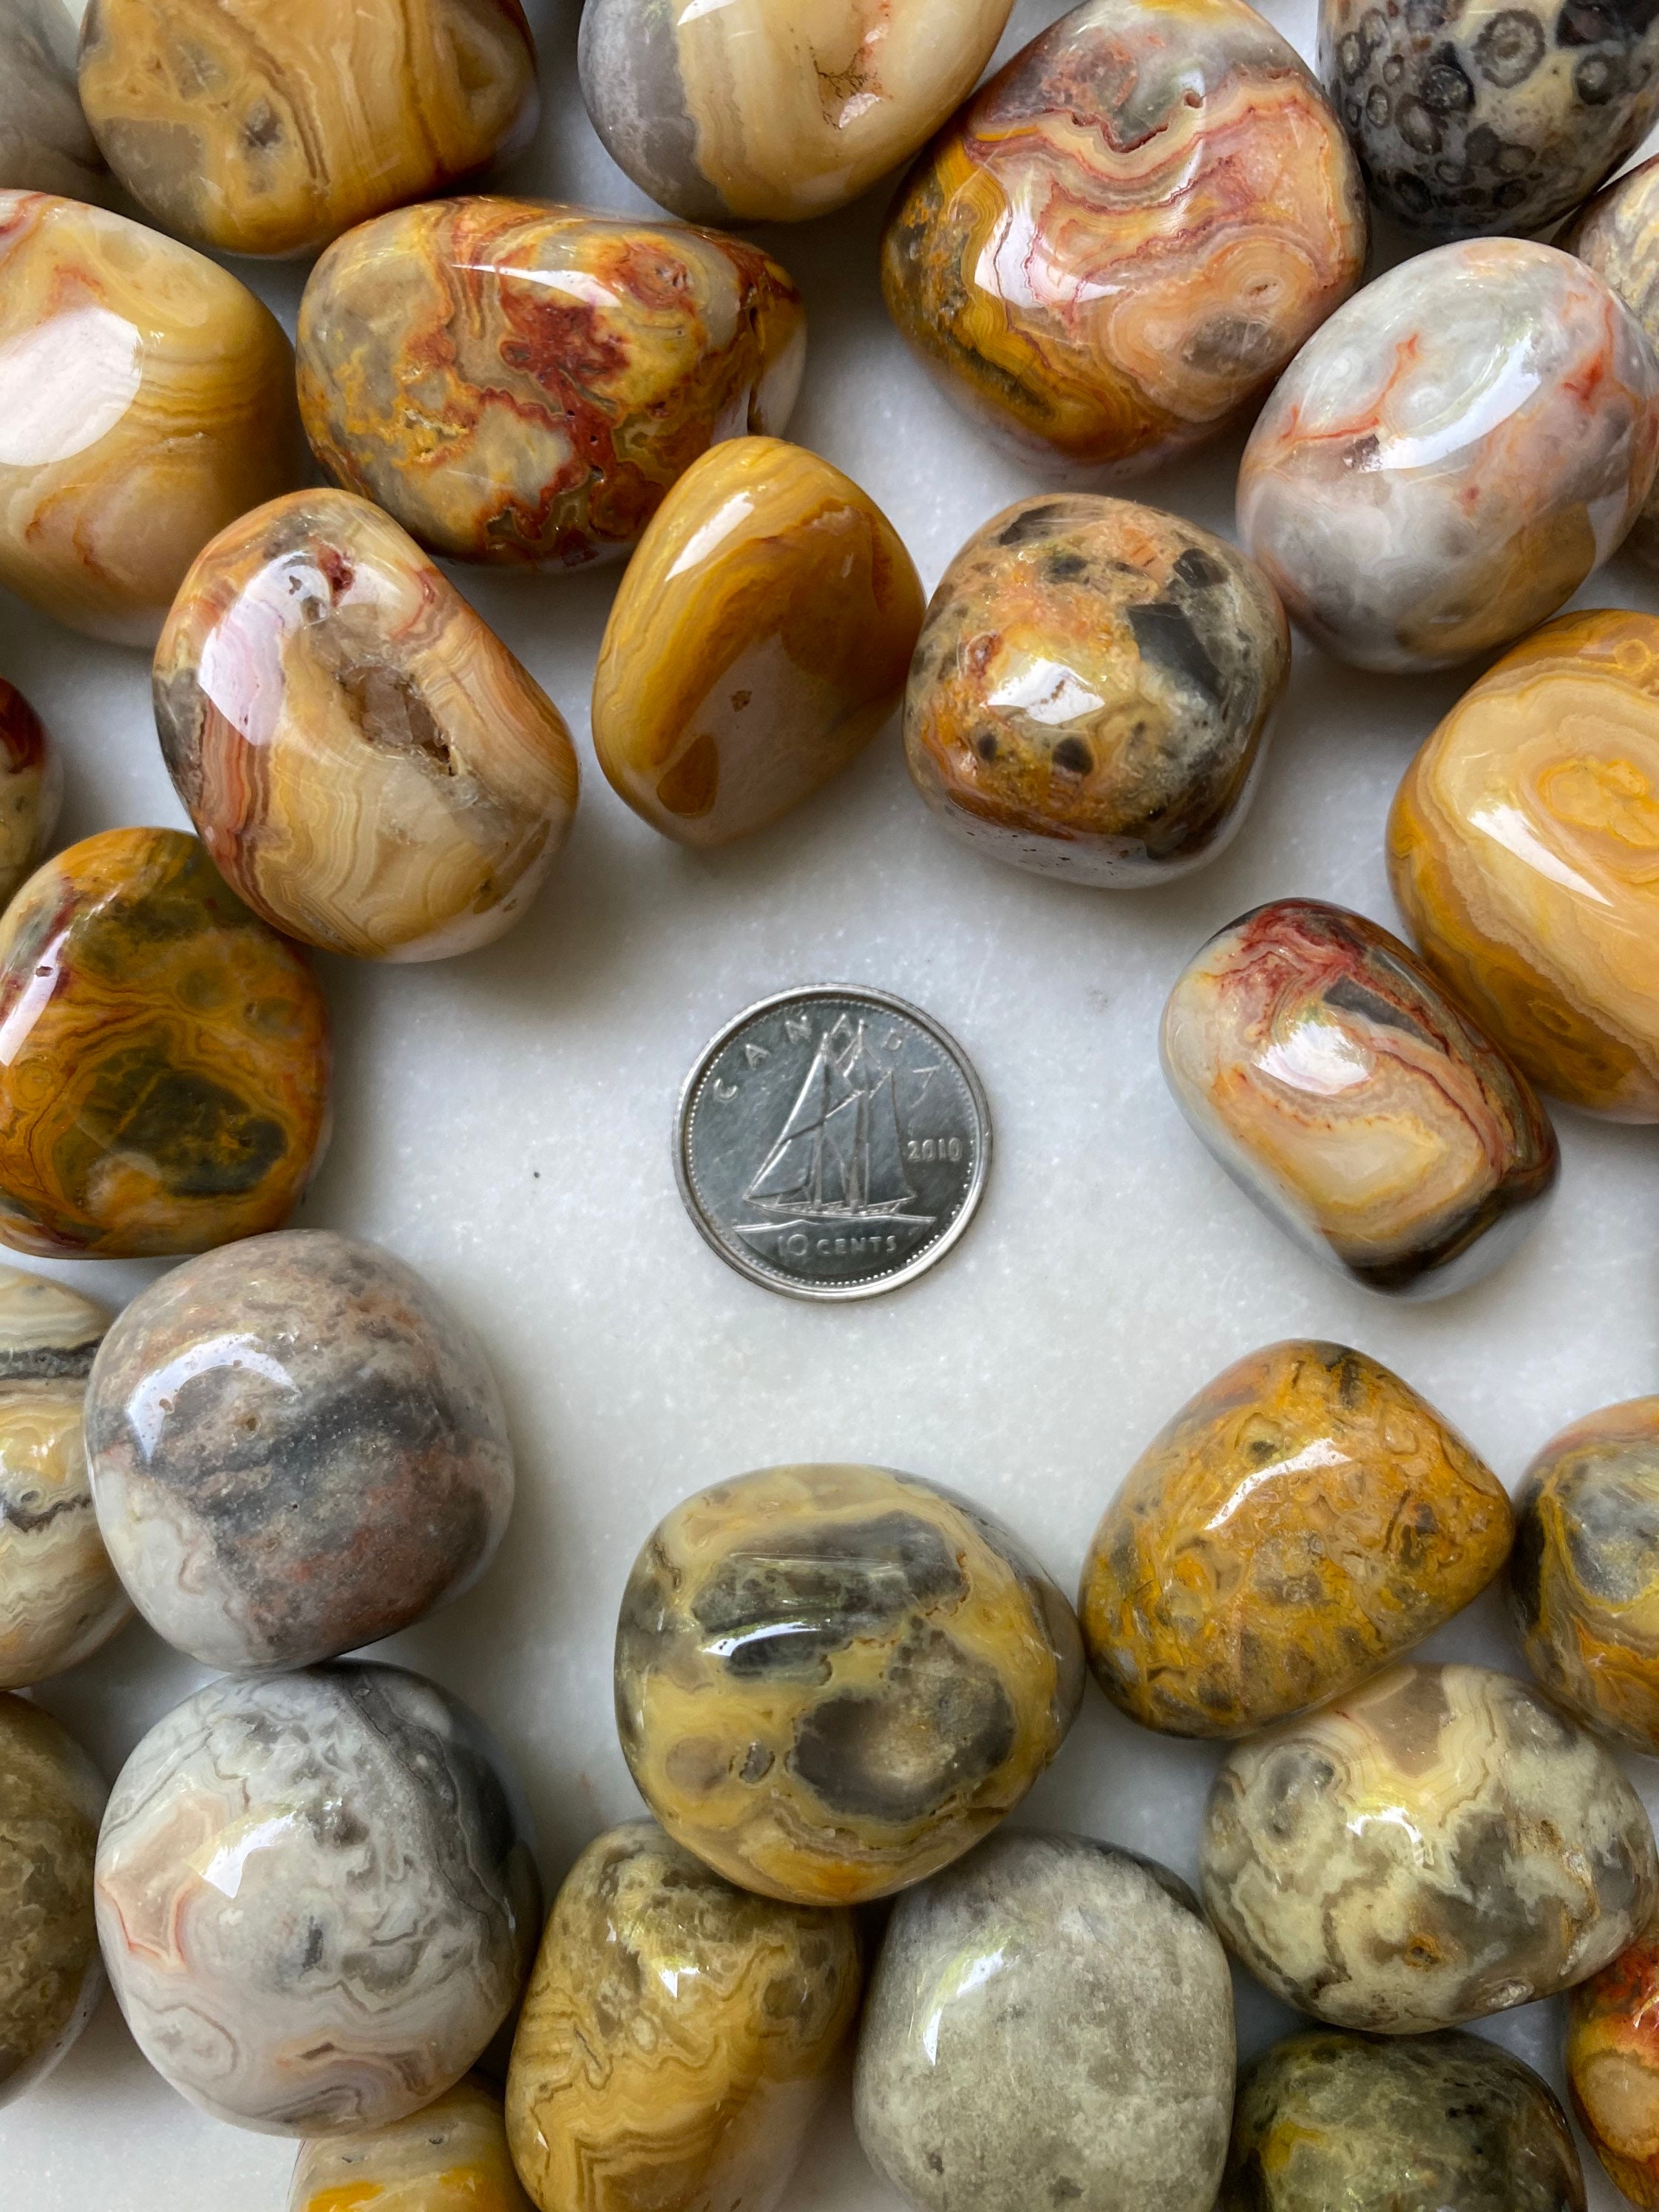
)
(502, 1122)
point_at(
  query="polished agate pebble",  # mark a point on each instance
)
(1430, 2124)
(759, 640)
(50, 1798)
(315, 1898)
(450, 2156)
(1447, 460)
(1612, 2066)
(46, 145)
(367, 762)
(677, 2036)
(31, 789)
(833, 1680)
(1524, 849)
(296, 1449)
(59, 1598)
(1617, 235)
(1050, 2023)
(1092, 689)
(771, 111)
(1584, 1577)
(146, 398)
(1436, 1846)
(1491, 117)
(1300, 1523)
(1321, 1062)
(1115, 248)
(271, 126)
(168, 1089)
(517, 381)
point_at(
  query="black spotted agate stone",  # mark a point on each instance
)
(1475, 119)
(833, 1680)
(1329, 2122)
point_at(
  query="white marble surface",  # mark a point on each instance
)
(503, 1123)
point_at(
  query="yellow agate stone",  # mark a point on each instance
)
(450, 2156)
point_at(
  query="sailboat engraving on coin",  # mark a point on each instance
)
(832, 1143)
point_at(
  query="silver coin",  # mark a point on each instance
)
(832, 1143)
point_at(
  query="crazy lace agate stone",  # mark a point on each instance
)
(1437, 1846)
(270, 126)
(51, 1799)
(1617, 235)
(1523, 848)
(1612, 2066)
(1443, 464)
(759, 640)
(1050, 2022)
(775, 110)
(146, 399)
(450, 2156)
(166, 1090)
(1300, 1523)
(1321, 1064)
(1492, 116)
(833, 1680)
(31, 789)
(59, 1598)
(1091, 693)
(296, 1449)
(315, 1898)
(46, 145)
(1585, 1574)
(368, 765)
(678, 2036)
(1111, 251)
(521, 382)
(1434, 2123)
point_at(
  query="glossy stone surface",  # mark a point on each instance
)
(167, 1090)
(677, 2036)
(1617, 235)
(59, 1598)
(146, 398)
(1499, 116)
(31, 789)
(517, 381)
(1050, 2023)
(1436, 1846)
(833, 1680)
(1300, 1523)
(1321, 1062)
(759, 640)
(1448, 458)
(315, 1898)
(46, 145)
(450, 2156)
(368, 765)
(1331, 2123)
(1092, 689)
(1115, 248)
(1585, 1574)
(251, 128)
(296, 1449)
(1612, 2066)
(1522, 851)
(775, 110)
(51, 1797)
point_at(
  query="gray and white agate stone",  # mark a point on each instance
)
(1050, 2024)
(46, 144)
(315, 1897)
(295, 1450)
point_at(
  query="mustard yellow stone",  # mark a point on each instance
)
(1300, 1523)
(146, 400)
(761, 636)
(270, 126)
(1523, 849)
(450, 2156)
(676, 2036)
